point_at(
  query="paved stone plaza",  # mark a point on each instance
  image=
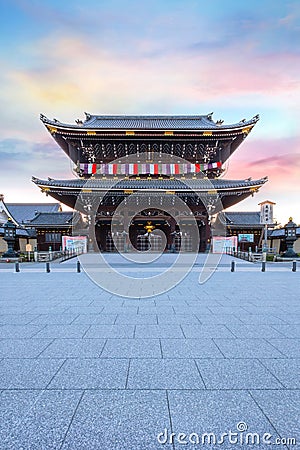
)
(83, 369)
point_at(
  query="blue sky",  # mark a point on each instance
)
(156, 57)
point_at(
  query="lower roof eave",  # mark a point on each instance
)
(212, 190)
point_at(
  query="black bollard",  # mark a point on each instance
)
(232, 266)
(263, 266)
(47, 267)
(294, 267)
(17, 265)
(78, 267)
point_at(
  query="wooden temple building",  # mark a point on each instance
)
(41, 225)
(159, 158)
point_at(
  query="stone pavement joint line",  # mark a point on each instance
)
(81, 368)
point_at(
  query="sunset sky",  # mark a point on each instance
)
(235, 58)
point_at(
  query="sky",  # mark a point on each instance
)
(234, 58)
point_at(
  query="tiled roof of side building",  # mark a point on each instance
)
(280, 233)
(150, 122)
(55, 218)
(198, 184)
(24, 212)
(243, 218)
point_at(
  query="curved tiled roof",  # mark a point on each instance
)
(52, 218)
(280, 233)
(24, 212)
(202, 122)
(172, 184)
(22, 232)
(243, 218)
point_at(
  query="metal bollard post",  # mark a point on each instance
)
(17, 265)
(263, 266)
(232, 266)
(47, 267)
(294, 267)
(78, 267)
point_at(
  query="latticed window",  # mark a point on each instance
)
(52, 237)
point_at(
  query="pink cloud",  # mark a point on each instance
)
(278, 159)
(75, 73)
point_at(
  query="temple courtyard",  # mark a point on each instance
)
(212, 365)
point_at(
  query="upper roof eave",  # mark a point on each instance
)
(155, 122)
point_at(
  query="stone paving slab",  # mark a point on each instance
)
(115, 372)
(221, 319)
(261, 319)
(74, 348)
(28, 373)
(236, 374)
(248, 348)
(282, 408)
(63, 331)
(289, 318)
(48, 309)
(84, 309)
(16, 310)
(190, 348)
(164, 374)
(111, 309)
(287, 371)
(35, 420)
(288, 347)
(148, 302)
(253, 331)
(200, 309)
(132, 348)
(137, 319)
(119, 420)
(217, 412)
(206, 331)
(110, 331)
(19, 331)
(91, 374)
(17, 319)
(289, 331)
(89, 319)
(22, 348)
(53, 319)
(158, 331)
(177, 319)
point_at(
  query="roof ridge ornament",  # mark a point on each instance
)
(43, 118)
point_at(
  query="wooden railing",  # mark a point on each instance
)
(68, 254)
(251, 256)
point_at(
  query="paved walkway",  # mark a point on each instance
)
(83, 369)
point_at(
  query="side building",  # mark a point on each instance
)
(39, 225)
